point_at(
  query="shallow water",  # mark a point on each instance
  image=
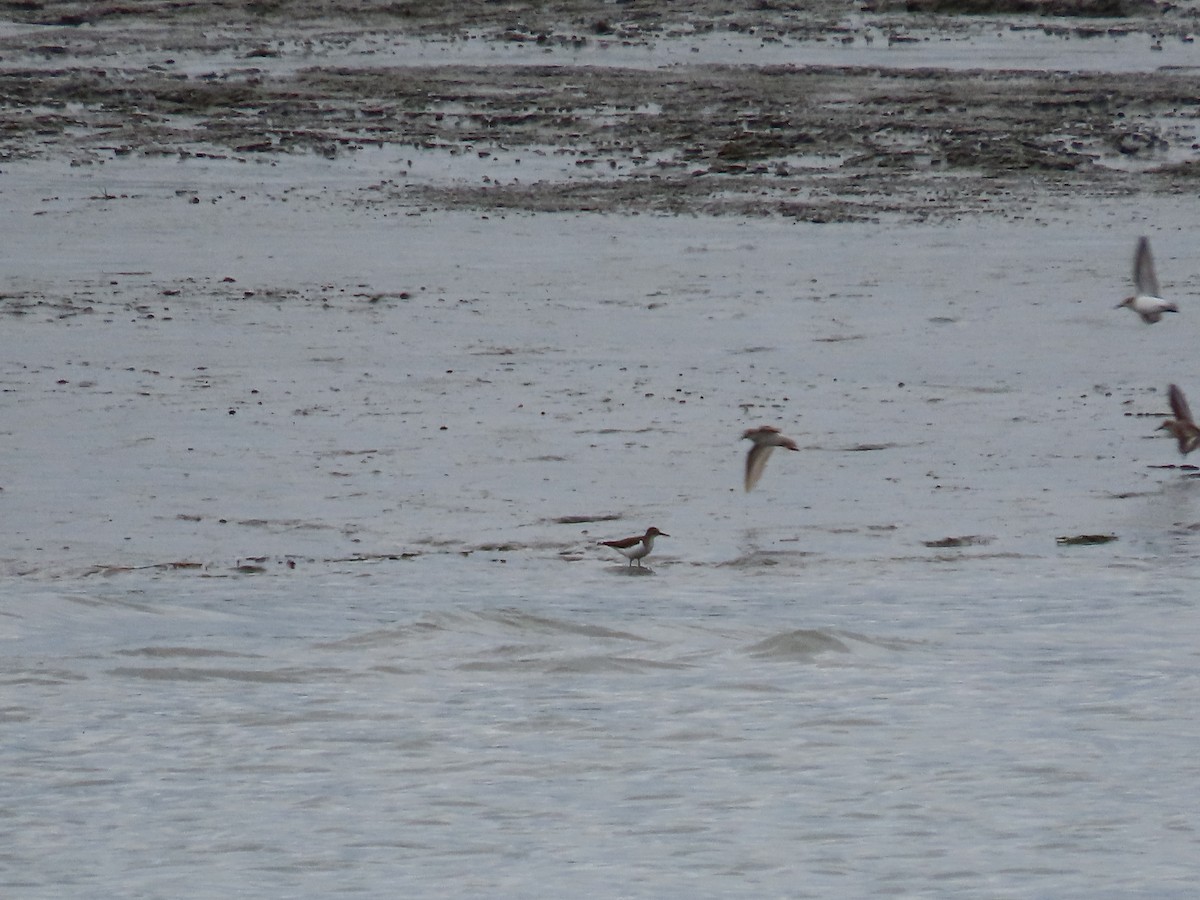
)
(300, 585)
(456, 692)
(457, 726)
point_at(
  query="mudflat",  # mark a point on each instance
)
(342, 281)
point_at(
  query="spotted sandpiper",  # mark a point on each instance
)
(1146, 302)
(634, 548)
(766, 438)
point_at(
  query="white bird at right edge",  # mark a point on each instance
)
(1146, 302)
(766, 438)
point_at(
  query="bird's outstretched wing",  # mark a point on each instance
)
(1179, 405)
(756, 461)
(1144, 277)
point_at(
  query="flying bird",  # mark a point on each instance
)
(1183, 427)
(1146, 302)
(634, 548)
(766, 438)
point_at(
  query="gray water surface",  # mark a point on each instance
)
(472, 727)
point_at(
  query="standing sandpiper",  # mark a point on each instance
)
(1182, 426)
(634, 548)
(766, 438)
(1146, 302)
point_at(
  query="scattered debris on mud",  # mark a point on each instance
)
(564, 128)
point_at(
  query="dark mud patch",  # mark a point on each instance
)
(968, 540)
(868, 448)
(586, 519)
(959, 558)
(1079, 540)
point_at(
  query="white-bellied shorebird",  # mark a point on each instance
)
(1146, 302)
(1182, 426)
(634, 548)
(766, 438)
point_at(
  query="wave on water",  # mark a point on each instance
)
(800, 644)
(286, 675)
(591, 664)
(523, 621)
(760, 559)
(191, 652)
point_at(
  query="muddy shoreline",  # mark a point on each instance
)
(814, 142)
